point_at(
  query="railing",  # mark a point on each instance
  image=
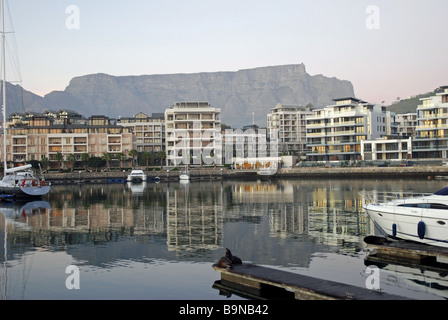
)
(390, 197)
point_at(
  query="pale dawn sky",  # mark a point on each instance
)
(386, 48)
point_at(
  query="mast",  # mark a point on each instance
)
(4, 82)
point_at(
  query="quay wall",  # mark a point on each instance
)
(427, 172)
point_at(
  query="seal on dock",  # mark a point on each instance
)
(234, 259)
(225, 262)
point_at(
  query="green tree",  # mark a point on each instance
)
(120, 157)
(133, 154)
(146, 156)
(96, 162)
(107, 156)
(71, 158)
(161, 155)
(44, 162)
(59, 157)
(85, 158)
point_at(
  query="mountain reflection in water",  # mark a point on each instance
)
(170, 234)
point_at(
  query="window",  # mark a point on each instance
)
(439, 206)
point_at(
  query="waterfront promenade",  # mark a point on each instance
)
(426, 172)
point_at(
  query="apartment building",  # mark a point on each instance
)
(149, 131)
(389, 149)
(431, 138)
(193, 133)
(406, 124)
(39, 137)
(334, 133)
(290, 123)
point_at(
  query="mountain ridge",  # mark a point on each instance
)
(240, 94)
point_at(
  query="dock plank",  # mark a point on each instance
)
(304, 287)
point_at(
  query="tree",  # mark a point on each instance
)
(85, 158)
(133, 153)
(146, 156)
(95, 162)
(71, 158)
(107, 156)
(161, 155)
(59, 157)
(44, 162)
(120, 157)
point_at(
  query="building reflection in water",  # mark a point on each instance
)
(285, 223)
(191, 216)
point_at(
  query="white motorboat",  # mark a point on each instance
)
(21, 182)
(267, 172)
(422, 218)
(137, 176)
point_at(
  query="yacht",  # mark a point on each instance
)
(421, 218)
(21, 182)
(137, 176)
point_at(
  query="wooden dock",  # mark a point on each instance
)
(407, 253)
(258, 282)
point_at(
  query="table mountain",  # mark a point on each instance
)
(238, 94)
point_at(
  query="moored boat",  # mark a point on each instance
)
(267, 172)
(184, 176)
(137, 176)
(21, 182)
(18, 181)
(422, 218)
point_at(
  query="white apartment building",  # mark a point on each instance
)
(431, 140)
(386, 149)
(335, 132)
(407, 122)
(193, 134)
(290, 122)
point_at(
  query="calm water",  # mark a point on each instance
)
(159, 242)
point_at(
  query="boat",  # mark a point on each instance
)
(184, 175)
(18, 181)
(137, 189)
(137, 176)
(421, 218)
(267, 172)
(21, 182)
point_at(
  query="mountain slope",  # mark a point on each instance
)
(238, 94)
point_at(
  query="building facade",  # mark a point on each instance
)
(193, 134)
(149, 131)
(38, 137)
(407, 122)
(431, 139)
(388, 149)
(335, 132)
(290, 123)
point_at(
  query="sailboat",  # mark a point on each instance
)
(18, 181)
(184, 176)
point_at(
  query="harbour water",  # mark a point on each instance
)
(158, 241)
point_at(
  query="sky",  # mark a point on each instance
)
(386, 48)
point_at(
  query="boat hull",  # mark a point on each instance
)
(25, 191)
(424, 225)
